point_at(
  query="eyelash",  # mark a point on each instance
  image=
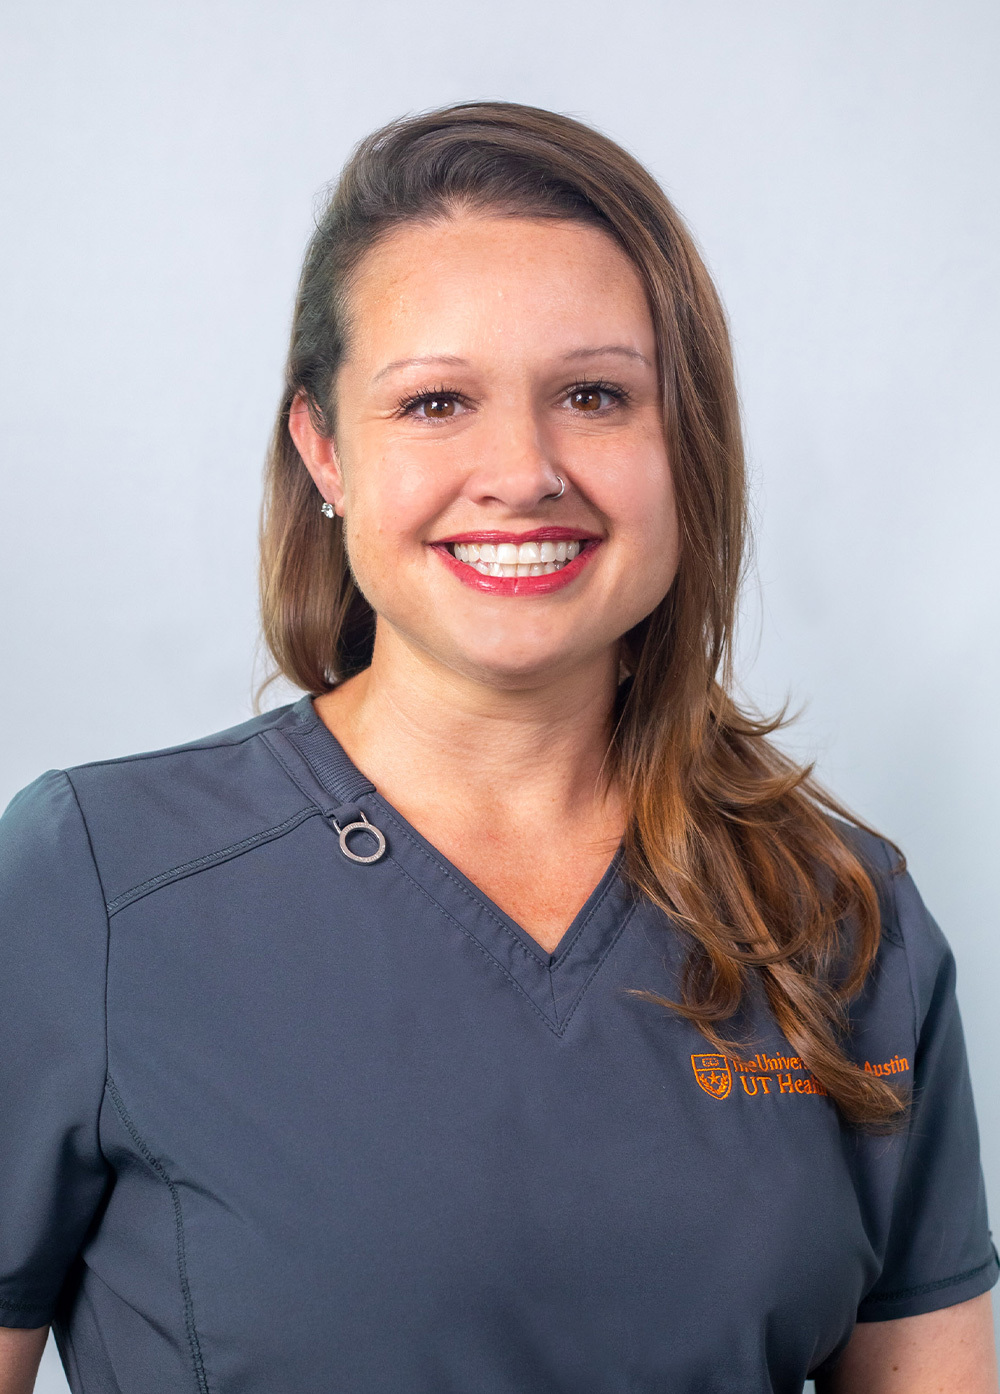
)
(613, 389)
(407, 405)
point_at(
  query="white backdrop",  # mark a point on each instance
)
(836, 160)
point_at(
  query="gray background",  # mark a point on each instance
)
(836, 160)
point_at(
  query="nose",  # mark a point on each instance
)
(516, 464)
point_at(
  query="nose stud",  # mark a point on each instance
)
(562, 490)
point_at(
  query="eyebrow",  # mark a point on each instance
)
(622, 350)
(449, 360)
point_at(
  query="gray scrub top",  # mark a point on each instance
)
(279, 1122)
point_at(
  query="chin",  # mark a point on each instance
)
(513, 668)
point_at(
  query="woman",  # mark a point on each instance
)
(507, 1014)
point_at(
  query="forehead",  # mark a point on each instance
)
(486, 277)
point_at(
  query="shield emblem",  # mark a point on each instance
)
(713, 1074)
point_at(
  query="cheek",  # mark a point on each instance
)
(663, 529)
(391, 500)
(641, 501)
(635, 490)
(393, 494)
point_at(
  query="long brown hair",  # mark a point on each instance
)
(725, 833)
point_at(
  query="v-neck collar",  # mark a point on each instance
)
(554, 983)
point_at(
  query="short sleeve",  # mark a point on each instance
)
(53, 952)
(939, 1250)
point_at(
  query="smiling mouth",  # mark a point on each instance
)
(517, 559)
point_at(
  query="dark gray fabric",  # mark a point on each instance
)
(273, 1121)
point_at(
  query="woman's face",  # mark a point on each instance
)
(491, 358)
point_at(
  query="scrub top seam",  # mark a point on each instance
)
(891, 928)
(334, 767)
(477, 901)
(107, 925)
(210, 859)
(612, 875)
(556, 1026)
(597, 968)
(329, 805)
(86, 1298)
(189, 748)
(22, 1307)
(553, 1026)
(923, 1289)
(364, 788)
(910, 966)
(191, 1331)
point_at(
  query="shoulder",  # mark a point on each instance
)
(39, 825)
(53, 923)
(144, 815)
(914, 947)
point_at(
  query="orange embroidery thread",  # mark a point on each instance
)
(713, 1074)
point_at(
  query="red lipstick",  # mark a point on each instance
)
(535, 535)
(519, 585)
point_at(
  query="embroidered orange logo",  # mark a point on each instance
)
(712, 1073)
(771, 1075)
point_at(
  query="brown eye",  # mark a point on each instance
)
(438, 407)
(586, 399)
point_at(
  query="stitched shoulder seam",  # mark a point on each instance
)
(107, 915)
(192, 748)
(210, 859)
(894, 931)
(902, 941)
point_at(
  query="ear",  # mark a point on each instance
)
(319, 453)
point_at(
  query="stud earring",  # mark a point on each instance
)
(327, 510)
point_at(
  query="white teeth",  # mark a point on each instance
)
(511, 559)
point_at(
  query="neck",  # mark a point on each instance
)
(426, 734)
